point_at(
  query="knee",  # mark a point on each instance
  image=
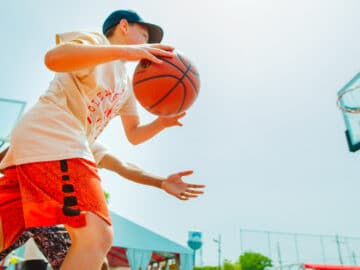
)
(96, 231)
(105, 237)
(102, 234)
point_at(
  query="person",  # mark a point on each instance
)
(54, 242)
(50, 176)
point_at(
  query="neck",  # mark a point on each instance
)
(115, 40)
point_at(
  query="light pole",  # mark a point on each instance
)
(218, 241)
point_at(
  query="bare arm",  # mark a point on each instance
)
(172, 184)
(130, 171)
(73, 56)
(137, 133)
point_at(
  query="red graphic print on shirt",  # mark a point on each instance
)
(102, 108)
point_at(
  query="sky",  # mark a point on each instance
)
(264, 134)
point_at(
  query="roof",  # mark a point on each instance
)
(128, 234)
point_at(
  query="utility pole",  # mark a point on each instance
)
(218, 241)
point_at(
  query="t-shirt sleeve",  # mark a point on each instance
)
(98, 150)
(88, 38)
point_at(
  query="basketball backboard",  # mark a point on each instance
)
(10, 112)
(352, 120)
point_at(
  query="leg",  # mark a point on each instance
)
(90, 244)
(69, 192)
(105, 265)
(54, 243)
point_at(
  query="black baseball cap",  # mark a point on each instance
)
(155, 32)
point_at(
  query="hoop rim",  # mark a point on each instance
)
(345, 108)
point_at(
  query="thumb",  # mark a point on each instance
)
(185, 173)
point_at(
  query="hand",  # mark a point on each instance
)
(174, 185)
(148, 51)
(169, 121)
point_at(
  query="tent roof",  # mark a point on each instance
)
(128, 234)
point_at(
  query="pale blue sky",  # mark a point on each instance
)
(265, 134)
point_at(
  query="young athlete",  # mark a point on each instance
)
(54, 242)
(50, 176)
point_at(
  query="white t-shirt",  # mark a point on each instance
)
(69, 117)
(99, 151)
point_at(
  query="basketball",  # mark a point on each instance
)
(168, 88)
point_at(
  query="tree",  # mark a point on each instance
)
(206, 268)
(254, 261)
(228, 265)
(107, 196)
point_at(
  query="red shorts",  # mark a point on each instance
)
(49, 193)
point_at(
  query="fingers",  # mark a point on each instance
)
(177, 117)
(181, 197)
(163, 47)
(153, 58)
(173, 120)
(180, 115)
(161, 52)
(189, 195)
(186, 196)
(174, 116)
(185, 173)
(153, 54)
(194, 191)
(196, 186)
(180, 189)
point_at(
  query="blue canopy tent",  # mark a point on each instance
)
(144, 246)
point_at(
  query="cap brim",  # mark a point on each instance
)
(155, 32)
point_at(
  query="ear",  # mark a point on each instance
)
(123, 26)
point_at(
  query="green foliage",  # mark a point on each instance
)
(247, 261)
(107, 196)
(206, 268)
(254, 261)
(228, 265)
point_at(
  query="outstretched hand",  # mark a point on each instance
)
(174, 185)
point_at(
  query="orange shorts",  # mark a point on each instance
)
(49, 193)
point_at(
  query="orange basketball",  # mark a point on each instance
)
(168, 88)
